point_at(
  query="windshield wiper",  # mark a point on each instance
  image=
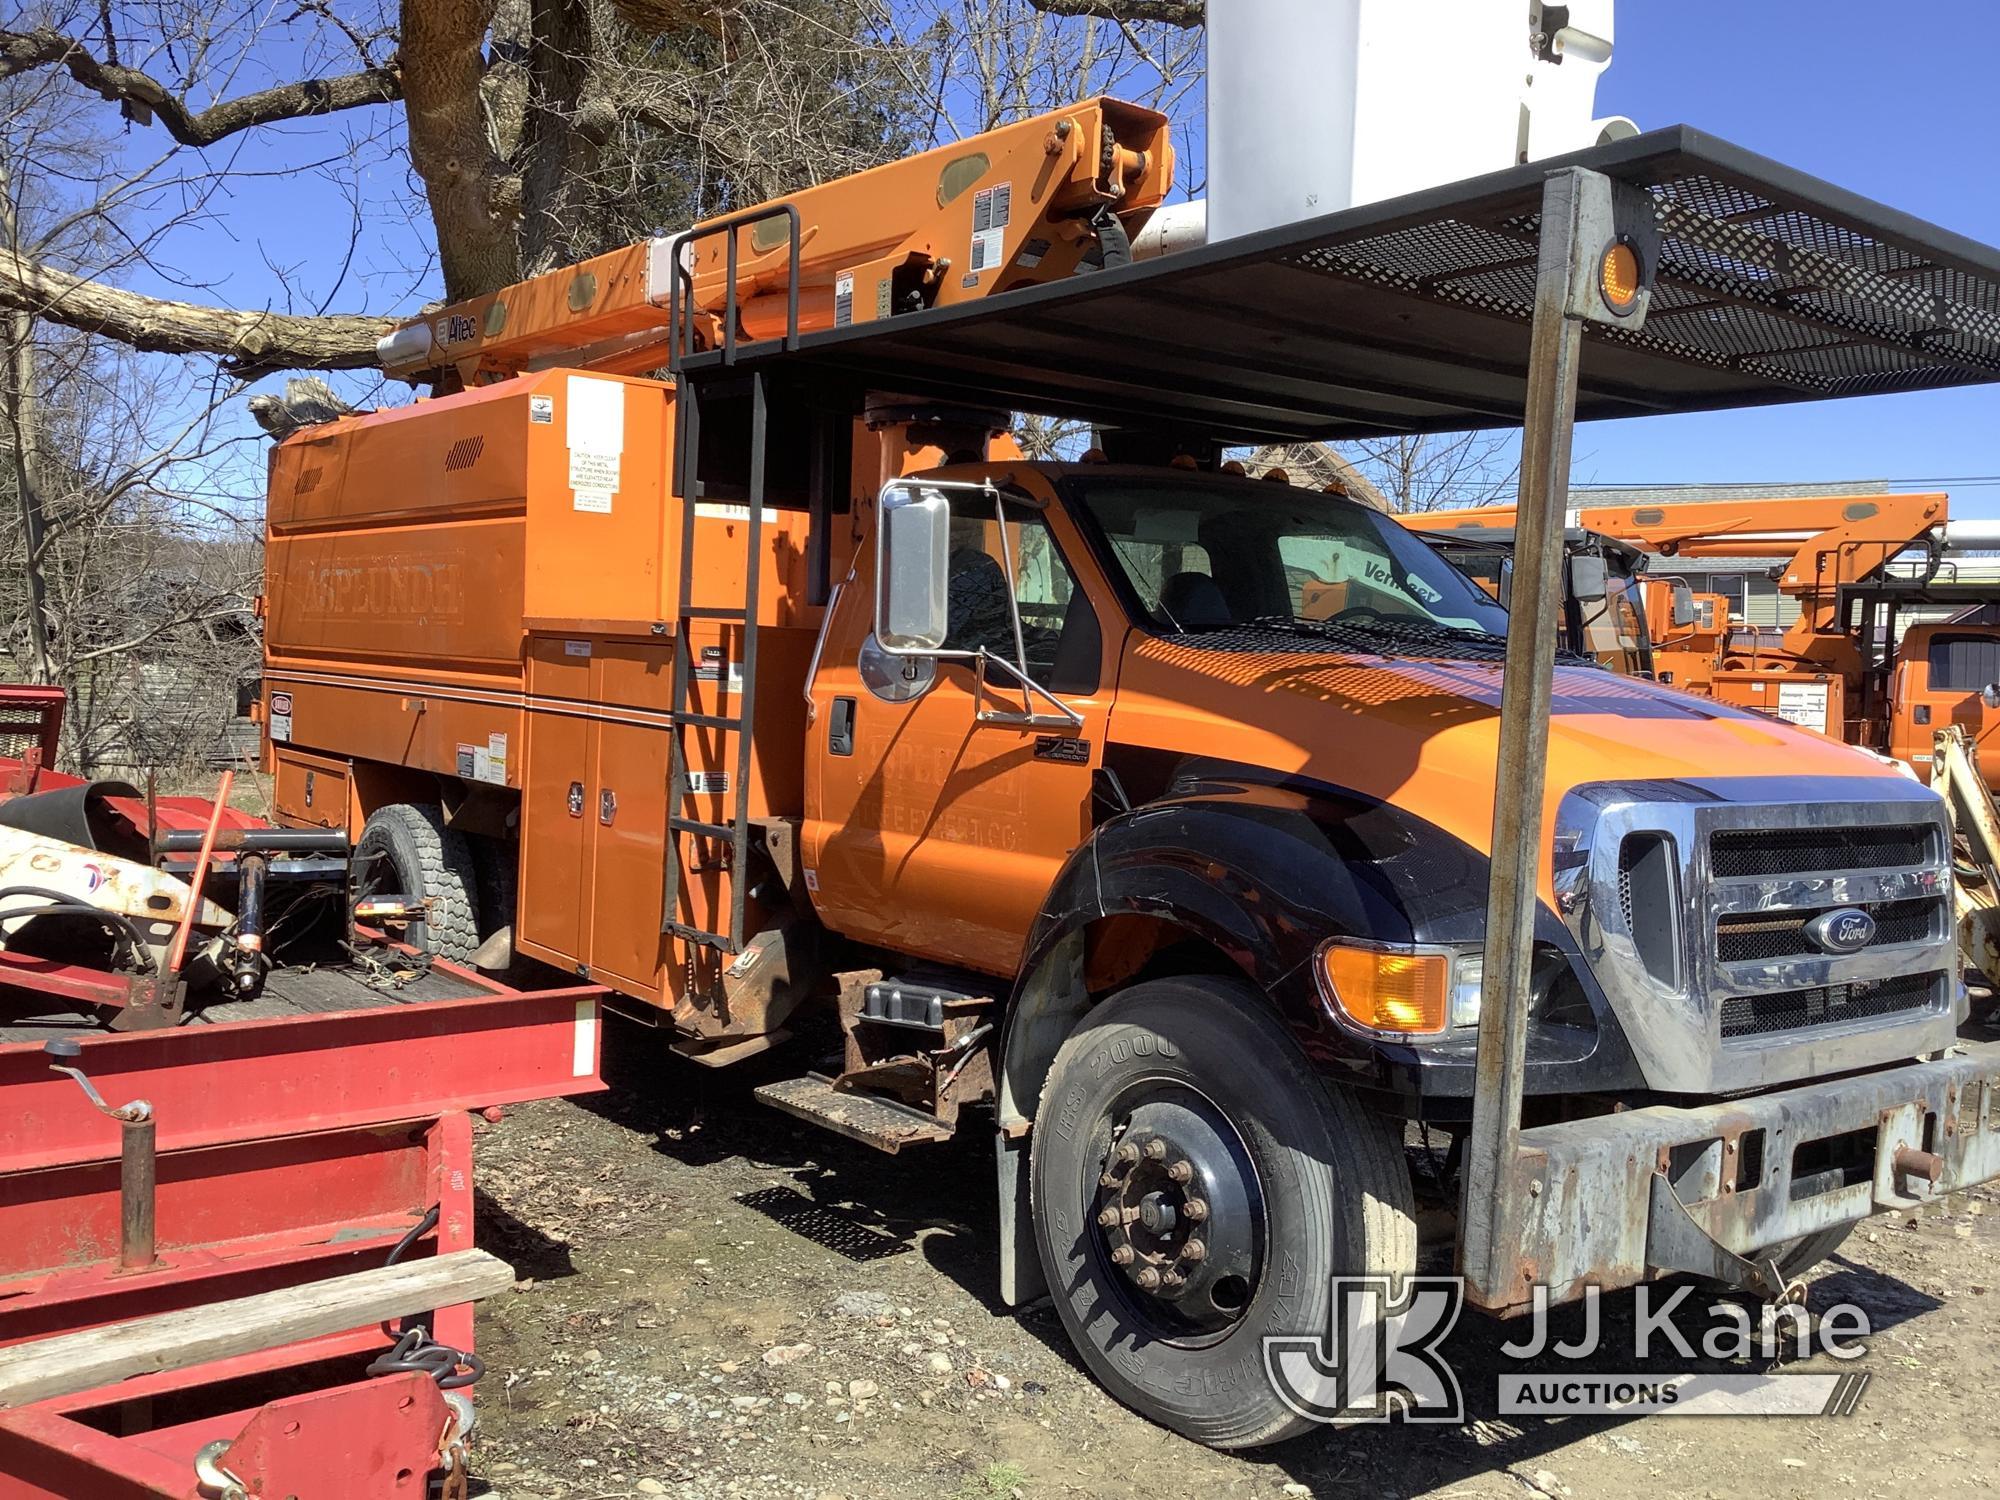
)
(1380, 627)
(1417, 637)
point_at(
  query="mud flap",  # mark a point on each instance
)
(1021, 1278)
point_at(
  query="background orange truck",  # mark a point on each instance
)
(1182, 831)
(1850, 665)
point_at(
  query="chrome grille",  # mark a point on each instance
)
(1747, 936)
(1794, 1010)
(1691, 901)
(1769, 883)
(1738, 853)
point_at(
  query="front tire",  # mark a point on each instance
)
(1181, 1112)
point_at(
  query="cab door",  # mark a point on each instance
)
(1940, 673)
(928, 830)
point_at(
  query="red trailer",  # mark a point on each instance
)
(236, 1255)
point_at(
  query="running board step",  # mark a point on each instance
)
(881, 1123)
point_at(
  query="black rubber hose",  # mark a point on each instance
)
(63, 904)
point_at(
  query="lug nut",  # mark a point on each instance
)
(1156, 1149)
(1122, 1256)
(1194, 1250)
(1196, 1209)
(1180, 1171)
(1147, 1278)
(1173, 1279)
(1128, 1153)
(1108, 1217)
(1105, 1179)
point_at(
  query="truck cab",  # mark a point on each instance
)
(1939, 678)
(1186, 717)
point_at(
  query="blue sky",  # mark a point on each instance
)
(1897, 103)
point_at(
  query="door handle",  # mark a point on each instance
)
(607, 806)
(840, 728)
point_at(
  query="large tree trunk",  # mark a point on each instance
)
(475, 198)
(557, 156)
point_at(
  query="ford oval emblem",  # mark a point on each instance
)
(1846, 930)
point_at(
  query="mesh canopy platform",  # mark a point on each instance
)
(1413, 315)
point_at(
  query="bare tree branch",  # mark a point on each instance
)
(252, 342)
(143, 98)
(1186, 13)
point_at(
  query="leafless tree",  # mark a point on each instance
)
(1443, 471)
(126, 564)
(130, 557)
(969, 65)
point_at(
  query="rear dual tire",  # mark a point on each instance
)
(1296, 1183)
(406, 849)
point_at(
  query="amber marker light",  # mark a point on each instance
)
(1385, 990)
(1618, 278)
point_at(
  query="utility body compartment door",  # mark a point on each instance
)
(559, 777)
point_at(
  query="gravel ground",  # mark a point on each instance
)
(716, 1301)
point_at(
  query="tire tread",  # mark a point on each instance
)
(445, 864)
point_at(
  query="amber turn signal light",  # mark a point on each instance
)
(1382, 990)
(1618, 277)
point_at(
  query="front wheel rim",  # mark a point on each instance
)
(1178, 1218)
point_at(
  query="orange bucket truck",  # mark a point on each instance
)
(1191, 837)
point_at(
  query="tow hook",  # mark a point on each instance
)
(453, 1457)
(211, 1480)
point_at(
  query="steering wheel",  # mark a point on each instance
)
(1351, 613)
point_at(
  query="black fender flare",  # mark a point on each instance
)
(1262, 870)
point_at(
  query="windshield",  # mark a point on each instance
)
(1205, 554)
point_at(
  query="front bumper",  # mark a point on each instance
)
(1621, 1198)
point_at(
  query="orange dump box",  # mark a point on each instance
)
(488, 602)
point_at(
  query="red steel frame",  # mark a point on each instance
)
(30, 722)
(289, 1150)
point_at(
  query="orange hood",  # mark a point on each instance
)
(1423, 735)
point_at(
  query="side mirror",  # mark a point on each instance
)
(912, 559)
(1505, 592)
(1586, 576)
(1683, 606)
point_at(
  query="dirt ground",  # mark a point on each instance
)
(718, 1302)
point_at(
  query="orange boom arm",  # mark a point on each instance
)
(1029, 202)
